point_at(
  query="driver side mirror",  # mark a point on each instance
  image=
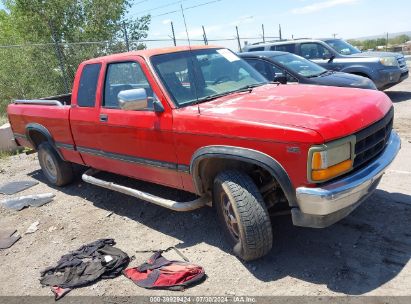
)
(133, 100)
(281, 78)
(328, 56)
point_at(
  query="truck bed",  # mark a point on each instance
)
(58, 100)
(50, 113)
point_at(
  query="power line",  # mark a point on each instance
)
(161, 6)
(187, 8)
(140, 2)
(168, 13)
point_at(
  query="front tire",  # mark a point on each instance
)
(57, 171)
(243, 215)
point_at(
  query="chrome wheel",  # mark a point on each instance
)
(229, 216)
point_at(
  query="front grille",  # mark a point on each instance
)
(372, 140)
(401, 62)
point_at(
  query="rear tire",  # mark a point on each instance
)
(57, 171)
(243, 215)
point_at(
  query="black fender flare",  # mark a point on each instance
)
(43, 130)
(246, 155)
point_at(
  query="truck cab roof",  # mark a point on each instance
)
(149, 52)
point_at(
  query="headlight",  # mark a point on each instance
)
(330, 160)
(389, 61)
(366, 84)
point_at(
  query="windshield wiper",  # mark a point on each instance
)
(246, 88)
(211, 97)
(249, 87)
(318, 75)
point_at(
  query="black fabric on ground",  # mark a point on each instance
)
(97, 260)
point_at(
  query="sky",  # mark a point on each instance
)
(300, 18)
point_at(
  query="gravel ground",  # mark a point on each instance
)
(366, 253)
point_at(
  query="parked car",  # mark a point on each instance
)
(286, 67)
(202, 120)
(385, 69)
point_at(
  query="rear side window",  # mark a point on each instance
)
(256, 49)
(86, 96)
(284, 48)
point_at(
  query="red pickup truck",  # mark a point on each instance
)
(202, 120)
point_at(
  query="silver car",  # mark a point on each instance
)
(385, 69)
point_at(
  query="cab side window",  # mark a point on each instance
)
(125, 76)
(314, 51)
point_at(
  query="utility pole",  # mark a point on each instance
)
(126, 36)
(238, 39)
(204, 36)
(262, 27)
(386, 43)
(279, 32)
(174, 35)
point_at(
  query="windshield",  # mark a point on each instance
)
(299, 65)
(195, 75)
(342, 47)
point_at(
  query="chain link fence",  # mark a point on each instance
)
(38, 70)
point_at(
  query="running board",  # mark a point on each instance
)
(170, 204)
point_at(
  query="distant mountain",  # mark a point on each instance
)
(390, 35)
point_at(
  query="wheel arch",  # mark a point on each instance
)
(37, 133)
(359, 70)
(361, 74)
(207, 160)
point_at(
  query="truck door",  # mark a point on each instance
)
(84, 109)
(317, 53)
(138, 144)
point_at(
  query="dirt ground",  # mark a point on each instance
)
(368, 253)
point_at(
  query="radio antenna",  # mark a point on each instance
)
(191, 59)
(185, 25)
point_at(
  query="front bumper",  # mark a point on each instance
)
(321, 207)
(390, 77)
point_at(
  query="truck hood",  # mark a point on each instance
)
(340, 79)
(377, 54)
(333, 112)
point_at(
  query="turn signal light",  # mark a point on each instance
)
(324, 174)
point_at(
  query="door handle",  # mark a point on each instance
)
(103, 117)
